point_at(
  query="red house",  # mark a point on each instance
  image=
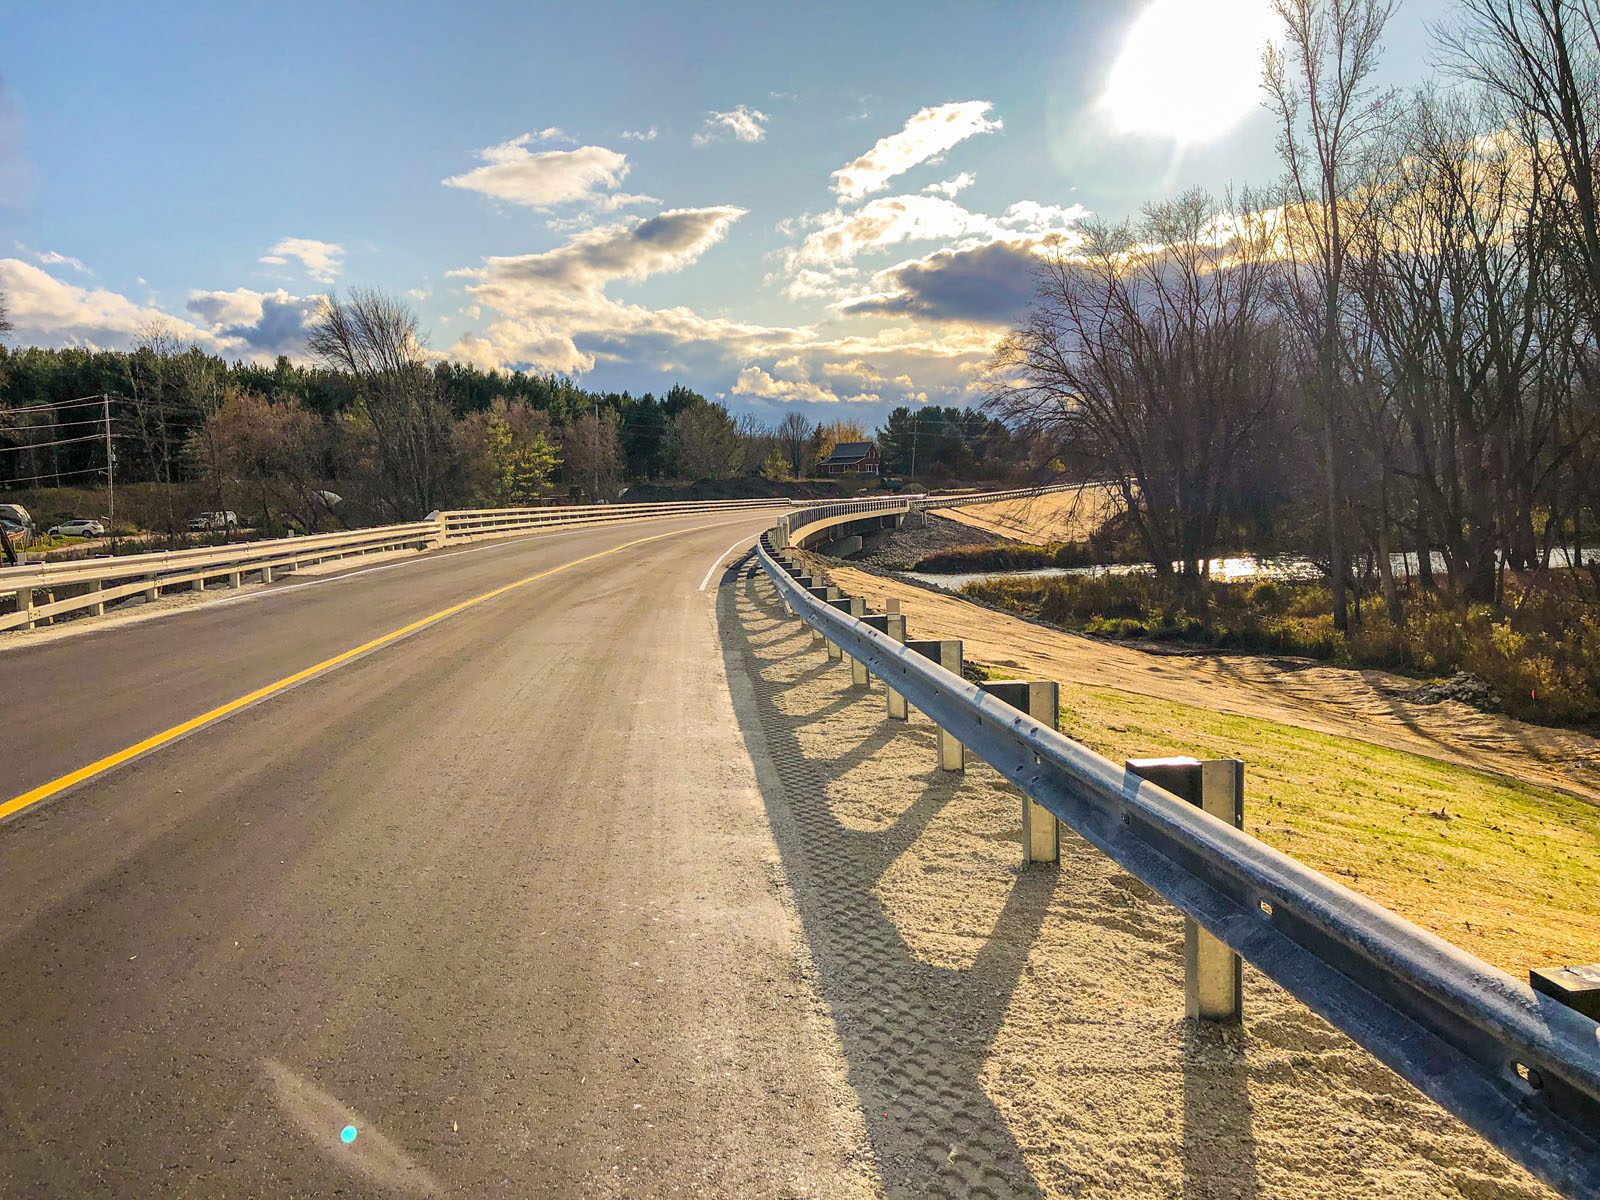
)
(851, 458)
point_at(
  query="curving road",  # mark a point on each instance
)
(498, 893)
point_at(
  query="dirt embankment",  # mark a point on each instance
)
(1070, 516)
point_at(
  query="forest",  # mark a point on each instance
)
(1387, 362)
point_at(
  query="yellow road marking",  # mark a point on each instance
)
(45, 790)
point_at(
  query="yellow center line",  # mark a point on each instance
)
(56, 786)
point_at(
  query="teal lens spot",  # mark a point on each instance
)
(347, 1134)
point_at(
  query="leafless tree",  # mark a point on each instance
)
(794, 436)
(758, 440)
(5, 316)
(1318, 87)
(1153, 350)
(373, 339)
(592, 456)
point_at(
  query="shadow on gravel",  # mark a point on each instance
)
(915, 1036)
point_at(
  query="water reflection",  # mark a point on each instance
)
(1224, 570)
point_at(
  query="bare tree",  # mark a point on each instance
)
(593, 456)
(794, 436)
(1317, 84)
(373, 338)
(5, 316)
(1153, 351)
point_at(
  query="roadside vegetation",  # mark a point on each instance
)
(1538, 658)
(1004, 556)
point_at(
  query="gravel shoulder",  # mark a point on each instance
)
(1016, 1032)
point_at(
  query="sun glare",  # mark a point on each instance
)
(1189, 70)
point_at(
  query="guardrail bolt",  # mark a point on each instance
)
(1576, 987)
(947, 653)
(1041, 700)
(1213, 975)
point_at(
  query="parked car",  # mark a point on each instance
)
(209, 521)
(16, 515)
(84, 527)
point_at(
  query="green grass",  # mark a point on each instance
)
(1511, 872)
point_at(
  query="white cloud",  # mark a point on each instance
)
(266, 323)
(753, 381)
(951, 187)
(926, 135)
(51, 258)
(543, 180)
(419, 293)
(554, 133)
(841, 237)
(640, 135)
(321, 260)
(49, 312)
(743, 123)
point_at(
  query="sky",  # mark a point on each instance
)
(827, 207)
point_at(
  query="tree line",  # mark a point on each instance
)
(1394, 348)
(374, 427)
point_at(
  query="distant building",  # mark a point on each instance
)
(851, 458)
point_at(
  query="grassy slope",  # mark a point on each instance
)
(1512, 874)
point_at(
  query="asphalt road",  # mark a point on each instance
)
(499, 894)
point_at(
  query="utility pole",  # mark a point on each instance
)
(916, 428)
(594, 458)
(111, 464)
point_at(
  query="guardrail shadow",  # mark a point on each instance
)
(915, 1036)
(920, 1037)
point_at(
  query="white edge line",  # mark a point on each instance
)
(717, 562)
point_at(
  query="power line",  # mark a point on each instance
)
(92, 437)
(56, 425)
(55, 404)
(54, 475)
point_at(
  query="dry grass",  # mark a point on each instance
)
(1070, 516)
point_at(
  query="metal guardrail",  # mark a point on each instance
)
(92, 583)
(1520, 1068)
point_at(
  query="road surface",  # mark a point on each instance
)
(496, 893)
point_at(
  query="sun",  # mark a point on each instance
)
(1189, 70)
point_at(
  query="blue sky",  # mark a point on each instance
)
(824, 206)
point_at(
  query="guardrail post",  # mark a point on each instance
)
(25, 606)
(441, 531)
(266, 574)
(890, 625)
(827, 593)
(1041, 700)
(1576, 987)
(199, 583)
(99, 609)
(1213, 975)
(235, 579)
(947, 653)
(855, 606)
(154, 590)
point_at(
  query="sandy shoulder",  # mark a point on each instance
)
(1017, 1032)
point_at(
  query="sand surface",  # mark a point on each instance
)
(1068, 516)
(1020, 1032)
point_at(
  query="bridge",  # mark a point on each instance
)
(494, 866)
